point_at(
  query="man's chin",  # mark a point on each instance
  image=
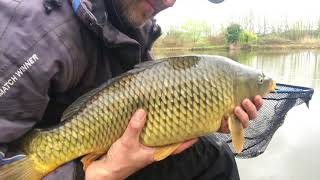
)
(138, 22)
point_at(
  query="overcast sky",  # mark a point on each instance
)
(274, 11)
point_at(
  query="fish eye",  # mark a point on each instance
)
(260, 79)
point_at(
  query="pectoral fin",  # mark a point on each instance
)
(165, 151)
(89, 158)
(237, 133)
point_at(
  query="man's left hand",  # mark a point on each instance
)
(247, 111)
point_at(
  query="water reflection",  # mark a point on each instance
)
(299, 68)
(293, 151)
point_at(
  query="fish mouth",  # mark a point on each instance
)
(273, 86)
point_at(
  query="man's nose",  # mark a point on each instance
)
(169, 3)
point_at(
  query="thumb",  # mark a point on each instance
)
(135, 127)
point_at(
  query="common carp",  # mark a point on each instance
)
(185, 97)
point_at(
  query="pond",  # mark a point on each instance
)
(293, 153)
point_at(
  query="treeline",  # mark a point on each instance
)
(199, 34)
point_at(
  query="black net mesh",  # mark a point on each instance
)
(270, 117)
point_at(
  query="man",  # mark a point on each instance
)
(50, 58)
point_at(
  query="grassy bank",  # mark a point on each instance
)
(269, 46)
(195, 36)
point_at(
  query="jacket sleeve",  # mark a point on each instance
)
(35, 59)
(25, 79)
(23, 95)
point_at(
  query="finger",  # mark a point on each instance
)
(135, 127)
(242, 116)
(258, 102)
(185, 146)
(250, 108)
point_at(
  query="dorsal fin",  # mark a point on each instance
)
(146, 64)
(189, 61)
(78, 103)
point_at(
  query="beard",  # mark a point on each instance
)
(129, 13)
(135, 13)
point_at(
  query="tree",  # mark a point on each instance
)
(247, 37)
(233, 33)
(196, 30)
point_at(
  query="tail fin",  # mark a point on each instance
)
(20, 170)
(237, 133)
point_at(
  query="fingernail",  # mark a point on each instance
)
(246, 124)
(138, 119)
(238, 110)
(246, 102)
(140, 114)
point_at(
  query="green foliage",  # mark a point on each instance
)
(247, 37)
(196, 30)
(233, 32)
(199, 34)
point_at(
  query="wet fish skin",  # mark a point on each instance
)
(185, 97)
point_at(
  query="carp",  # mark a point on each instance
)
(185, 97)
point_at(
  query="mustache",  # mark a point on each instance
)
(124, 5)
(121, 7)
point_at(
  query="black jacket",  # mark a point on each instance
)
(47, 60)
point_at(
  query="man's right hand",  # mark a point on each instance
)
(127, 155)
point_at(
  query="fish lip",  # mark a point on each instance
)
(273, 86)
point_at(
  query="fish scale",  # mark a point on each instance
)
(198, 99)
(185, 97)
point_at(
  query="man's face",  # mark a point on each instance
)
(137, 12)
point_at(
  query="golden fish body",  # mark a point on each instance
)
(185, 97)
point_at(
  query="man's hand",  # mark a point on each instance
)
(246, 112)
(127, 155)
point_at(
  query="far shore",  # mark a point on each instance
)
(291, 46)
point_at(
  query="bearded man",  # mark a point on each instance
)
(74, 47)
